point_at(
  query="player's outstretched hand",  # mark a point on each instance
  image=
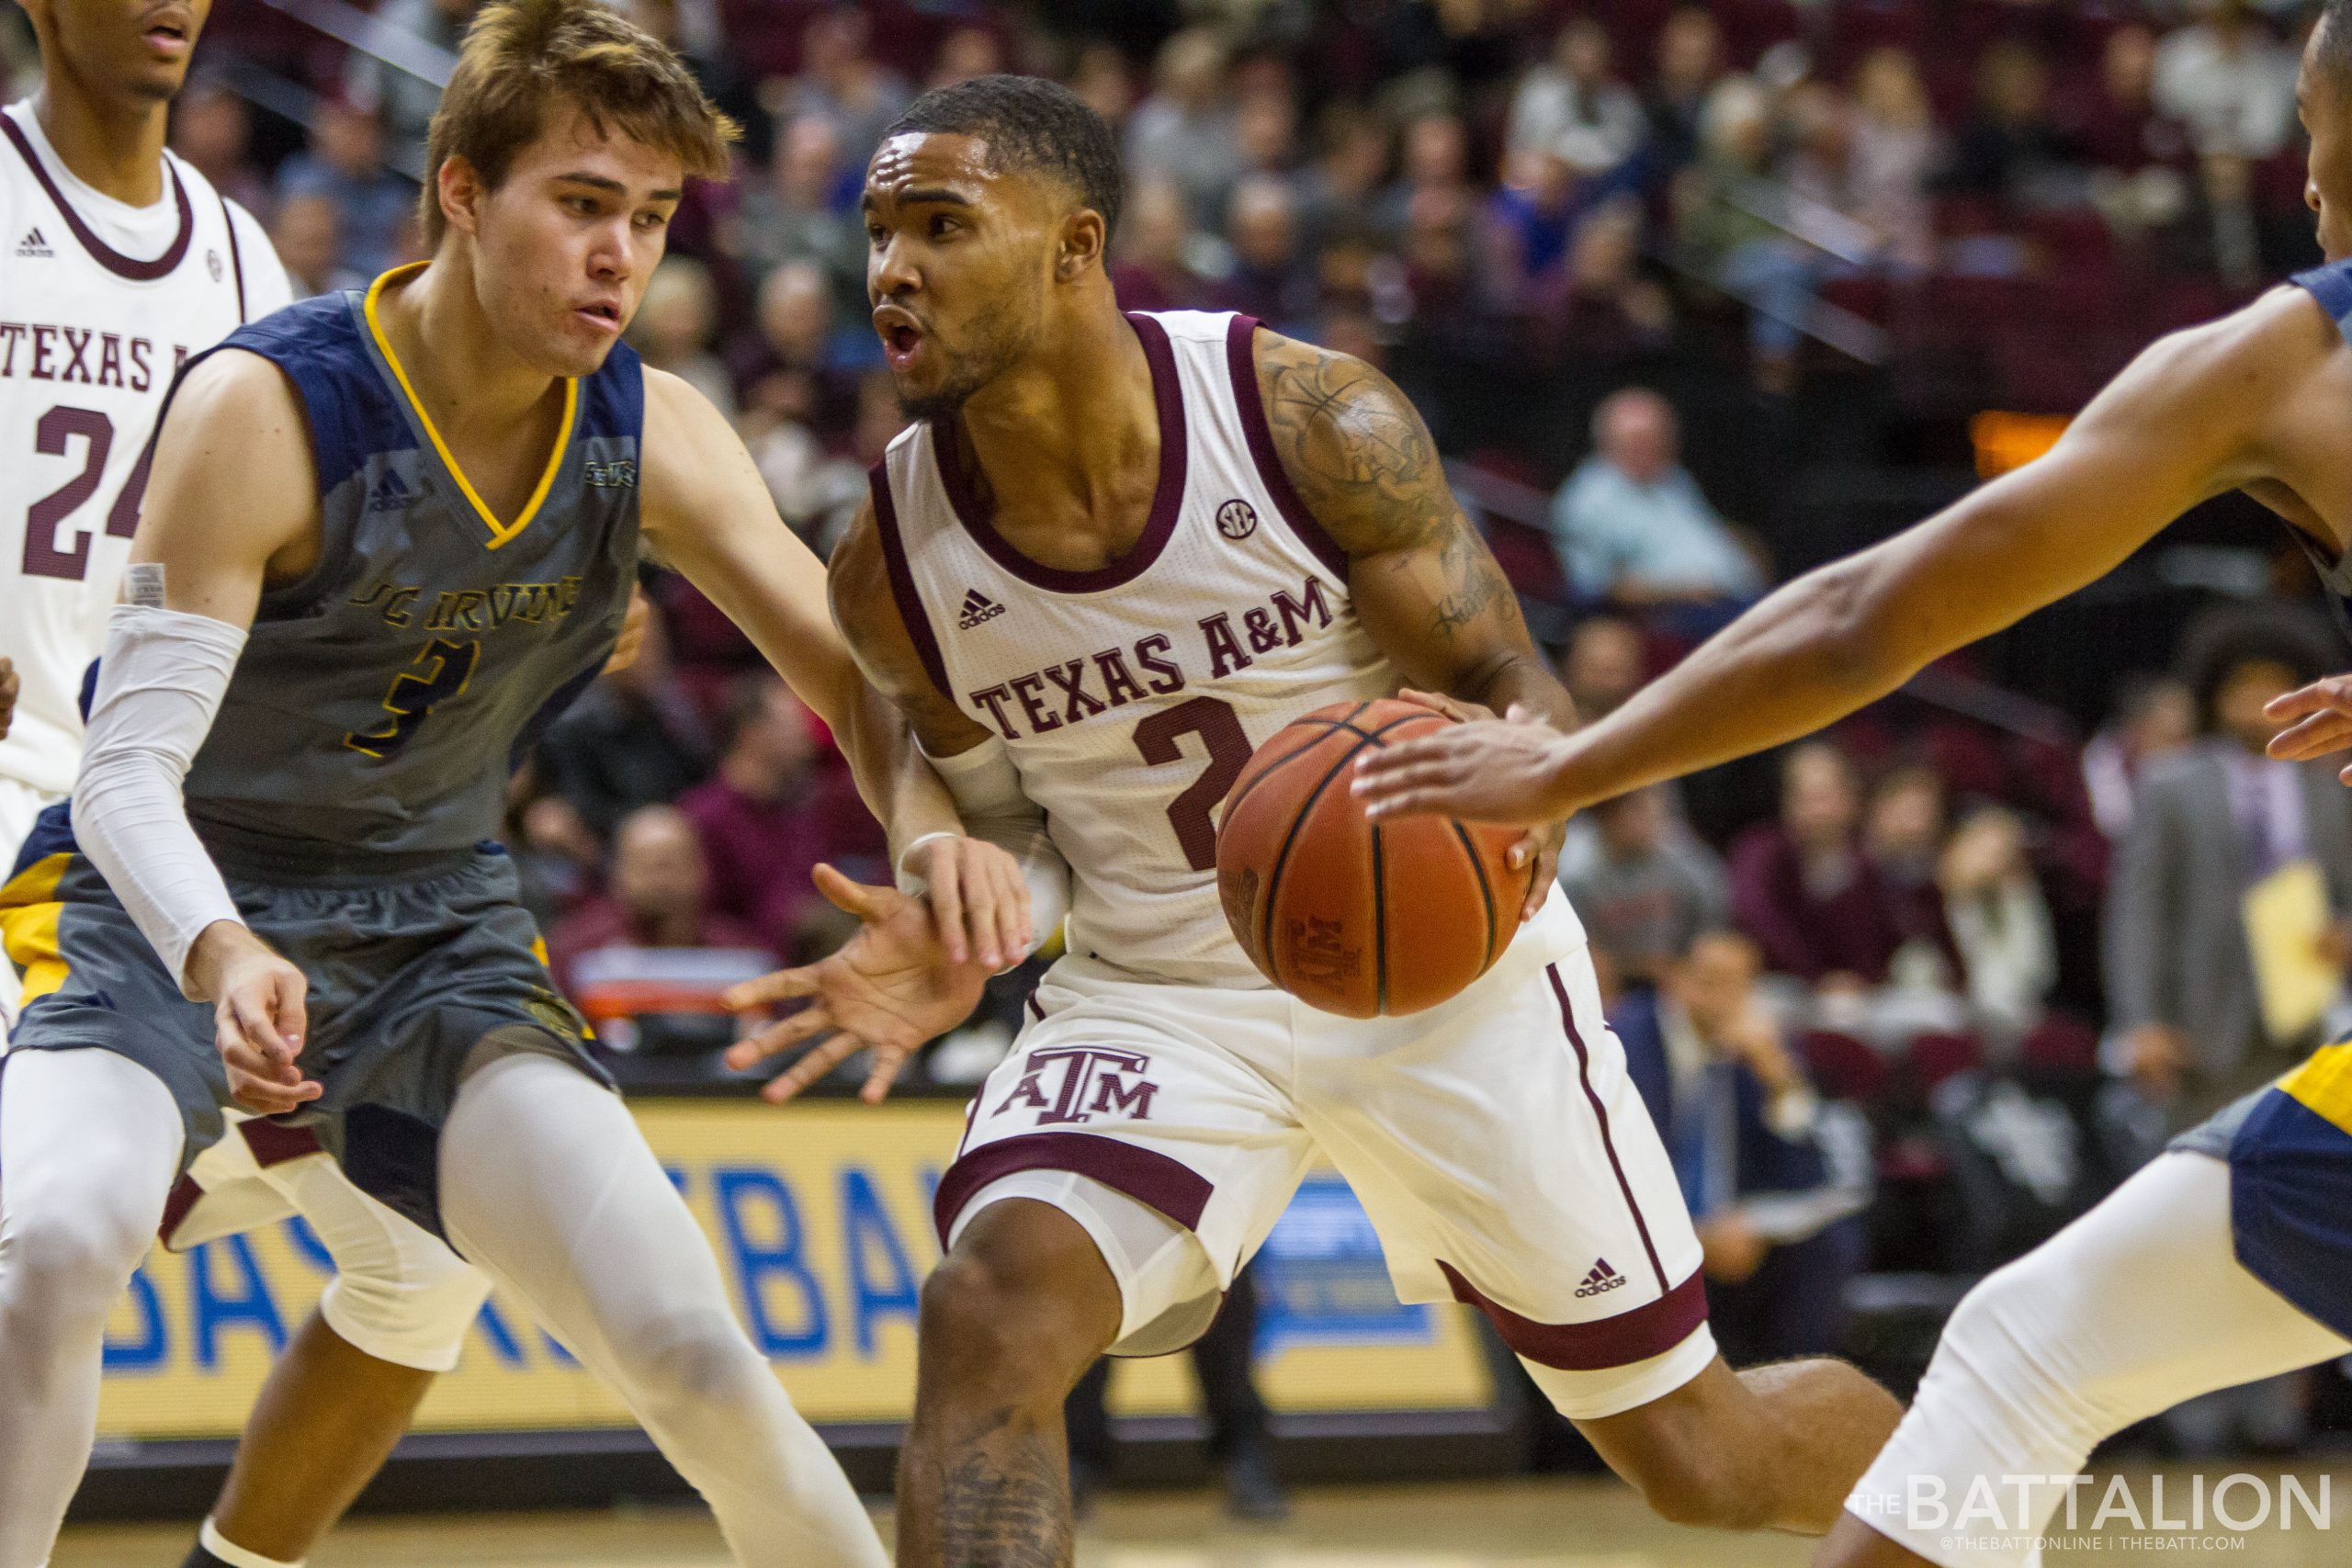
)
(259, 1015)
(979, 901)
(888, 990)
(2319, 721)
(1387, 791)
(7, 695)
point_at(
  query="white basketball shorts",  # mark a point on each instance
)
(1496, 1142)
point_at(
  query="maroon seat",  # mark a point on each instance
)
(1934, 1057)
(1842, 1066)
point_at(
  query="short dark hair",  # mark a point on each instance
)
(2224, 640)
(1029, 125)
(2335, 25)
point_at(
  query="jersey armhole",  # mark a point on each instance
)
(1241, 361)
(902, 581)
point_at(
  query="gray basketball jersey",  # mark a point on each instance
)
(382, 701)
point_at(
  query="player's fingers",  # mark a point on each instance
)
(887, 1065)
(1020, 921)
(288, 1009)
(998, 900)
(250, 1014)
(778, 1037)
(821, 1060)
(2334, 693)
(781, 986)
(947, 907)
(1539, 886)
(850, 896)
(2314, 737)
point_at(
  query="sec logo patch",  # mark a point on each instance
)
(1237, 519)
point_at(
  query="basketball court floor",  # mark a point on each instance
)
(1514, 1524)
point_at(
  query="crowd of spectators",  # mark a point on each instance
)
(1910, 1000)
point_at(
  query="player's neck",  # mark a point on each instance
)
(1066, 423)
(453, 356)
(114, 146)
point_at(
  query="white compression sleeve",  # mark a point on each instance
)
(159, 684)
(987, 790)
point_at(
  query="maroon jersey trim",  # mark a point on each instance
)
(1167, 501)
(106, 256)
(902, 580)
(236, 258)
(1241, 359)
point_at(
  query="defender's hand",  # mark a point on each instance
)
(888, 990)
(2319, 721)
(631, 642)
(979, 902)
(258, 1016)
(1389, 787)
(7, 695)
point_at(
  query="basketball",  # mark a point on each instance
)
(1349, 916)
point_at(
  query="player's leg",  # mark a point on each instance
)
(2136, 1306)
(343, 1391)
(547, 1185)
(89, 1143)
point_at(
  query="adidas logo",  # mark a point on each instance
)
(1603, 1277)
(978, 607)
(390, 492)
(33, 245)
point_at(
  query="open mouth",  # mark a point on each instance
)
(167, 37)
(901, 340)
(607, 317)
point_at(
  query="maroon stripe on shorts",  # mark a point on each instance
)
(1651, 1329)
(274, 1144)
(185, 1195)
(1150, 1178)
(1601, 1115)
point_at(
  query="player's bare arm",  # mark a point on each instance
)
(230, 508)
(1425, 585)
(7, 694)
(2236, 404)
(705, 511)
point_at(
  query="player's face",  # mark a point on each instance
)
(565, 245)
(135, 49)
(2320, 96)
(957, 264)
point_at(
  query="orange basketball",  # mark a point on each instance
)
(1351, 917)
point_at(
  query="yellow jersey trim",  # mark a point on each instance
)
(2324, 1083)
(500, 533)
(29, 917)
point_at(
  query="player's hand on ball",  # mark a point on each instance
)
(889, 989)
(979, 901)
(259, 1015)
(2319, 721)
(1484, 770)
(7, 695)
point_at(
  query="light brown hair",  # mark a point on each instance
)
(524, 60)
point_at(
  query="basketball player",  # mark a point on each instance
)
(122, 261)
(1117, 553)
(383, 540)
(2228, 1258)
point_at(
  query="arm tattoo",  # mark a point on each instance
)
(1355, 449)
(1004, 1503)
(1472, 583)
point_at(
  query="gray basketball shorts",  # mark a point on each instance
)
(408, 975)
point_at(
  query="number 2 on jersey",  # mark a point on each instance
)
(1220, 730)
(440, 673)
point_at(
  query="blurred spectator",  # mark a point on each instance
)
(2152, 716)
(2230, 82)
(1644, 887)
(1183, 133)
(1571, 107)
(1689, 63)
(774, 807)
(1534, 219)
(1725, 233)
(633, 738)
(1894, 152)
(1270, 279)
(659, 898)
(1632, 528)
(1607, 310)
(1153, 269)
(801, 367)
(1100, 77)
(2211, 820)
(964, 53)
(1775, 1180)
(1605, 663)
(405, 102)
(1999, 922)
(1802, 887)
(2011, 150)
(212, 129)
(1336, 189)
(1903, 835)
(308, 237)
(799, 212)
(345, 164)
(841, 81)
(675, 323)
(1433, 183)
(2139, 154)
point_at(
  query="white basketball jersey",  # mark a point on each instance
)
(93, 325)
(1131, 695)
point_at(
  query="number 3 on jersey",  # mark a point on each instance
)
(1220, 730)
(439, 673)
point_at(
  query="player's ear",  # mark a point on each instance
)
(459, 186)
(1083, 239)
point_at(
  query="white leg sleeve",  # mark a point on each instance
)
(549, 1187)
(89, 1143)
(398, 1293)
(2136, 1306)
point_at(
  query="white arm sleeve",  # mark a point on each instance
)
(159, 684)
(987, 790)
